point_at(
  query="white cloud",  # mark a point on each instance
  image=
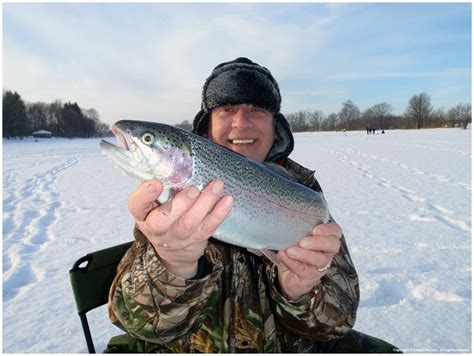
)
(150, 61)
(448, 73)
(144, 69)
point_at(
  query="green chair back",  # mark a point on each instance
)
(91, 277)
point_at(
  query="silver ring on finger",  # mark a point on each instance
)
(321, 270)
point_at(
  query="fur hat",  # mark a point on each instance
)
(242, 81)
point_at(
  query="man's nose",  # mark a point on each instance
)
(241, 120)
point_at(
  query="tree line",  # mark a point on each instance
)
(21, 119)
(418, 114)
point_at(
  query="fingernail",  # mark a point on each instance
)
(305, 243)
(228, 202)
(293, 251)
(217, 187)
(192, 193)
(151, 188)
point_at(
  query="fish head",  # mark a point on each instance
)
(158, 150)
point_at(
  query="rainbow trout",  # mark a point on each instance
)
(270, 212)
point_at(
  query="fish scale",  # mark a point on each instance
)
(270, 211)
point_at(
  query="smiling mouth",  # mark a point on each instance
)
(242, 141)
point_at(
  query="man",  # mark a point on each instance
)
(179, 290)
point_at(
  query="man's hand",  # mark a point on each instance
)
(299, 272)
(180, 228)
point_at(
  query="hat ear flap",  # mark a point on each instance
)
(201, 123)
(284, 143)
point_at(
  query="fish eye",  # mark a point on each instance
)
(148, 138)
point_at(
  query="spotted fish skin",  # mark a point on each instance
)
(270, 211)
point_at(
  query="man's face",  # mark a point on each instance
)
(245, 129)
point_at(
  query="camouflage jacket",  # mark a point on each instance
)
(237, 306)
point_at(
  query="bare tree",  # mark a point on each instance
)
(185, 125)
(460, 115)
(331, 122)
(380, 112)
(315, 119)
(299, 120)
(438, 117)
(368, 118)
(349, 113)
(37, 114)
(103, 130)
(100, 129)
(91, 114)
(420, 109)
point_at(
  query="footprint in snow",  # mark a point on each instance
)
(422, 290)
(21, 279)
(414, 198)
(432, 212)
(440, 178)
(386, 292)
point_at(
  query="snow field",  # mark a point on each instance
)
(403, 200)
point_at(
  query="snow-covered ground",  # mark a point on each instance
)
(403, 200)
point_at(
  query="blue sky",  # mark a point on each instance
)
(149, 61)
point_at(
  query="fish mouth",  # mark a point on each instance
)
(120, 137)
(123, 155)
(120, 152)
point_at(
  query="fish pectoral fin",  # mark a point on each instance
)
(166, 195)
(255, 251)
(272, 256)
(166, 200)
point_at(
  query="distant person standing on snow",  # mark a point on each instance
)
(179, 290)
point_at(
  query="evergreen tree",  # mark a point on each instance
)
(15, 122)
(71, 117)
(54, 118)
